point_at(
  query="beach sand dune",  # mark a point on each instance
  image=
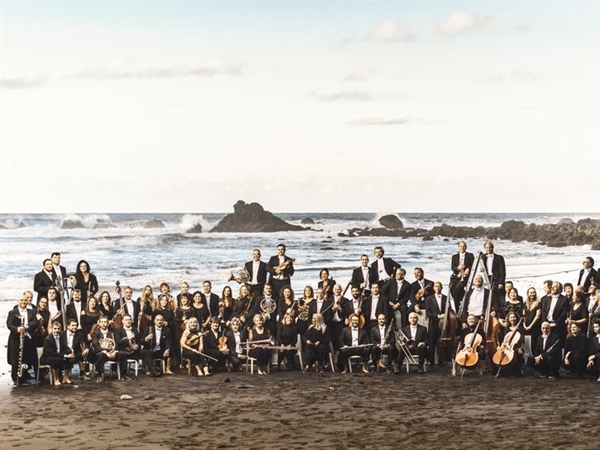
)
(296, 410)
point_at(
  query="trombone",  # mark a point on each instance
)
(403, 343)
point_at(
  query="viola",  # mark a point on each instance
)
(506, 352)
(468, 356)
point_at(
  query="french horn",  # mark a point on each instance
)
(239, 274)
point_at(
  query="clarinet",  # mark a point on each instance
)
(21, 349)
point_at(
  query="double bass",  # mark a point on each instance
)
(468, 356)
(447, 325)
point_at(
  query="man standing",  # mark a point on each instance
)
(210, 299)
(44, 280)
(495, 268)
(258, 273)
(364, 276)
(129, 305)
(22, 324)
(397, 294)
(461, 265)
(75, 308)
(555, 309)
(281, 268)
(383, 267)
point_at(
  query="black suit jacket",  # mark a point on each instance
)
(72, 312)
(212, 303)
(97, 335)
(376, 336)
(274, 262)
(50, 349)
(166, 339)
(591, 277)
(391, 294)
(498, 275)
(358, 277)
(134, 314)
(415, 286)
(382, 307)
(432, 308)
(421, 336)
(13, 321)
(552, 344)
(559, 315)
(454, 265)
(124, 343)
(42, 282)
(346, 337)
(261, 277)
(594, 348)
(327, 307)
(390, 267)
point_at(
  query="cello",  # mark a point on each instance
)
(447, 325)
(468, 356)
(506, 352)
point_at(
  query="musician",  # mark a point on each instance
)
(200, 310)
(235, 337)
(167, 314)
(210, 346)
(420, 284)
(58, 355)
(373, 306)
(475, 301)
(165, 289)
(576, 351)
(512, 333)
(547, 352)
(129, 341)
(226, 307)
(21, 320)
(75, 308)
(44, 280)
(417, 341)
(354, 304)
(182, 314)
(326, 282)
(85, 280)
(383, 267)
(507, 288)
(266, 301)
(281, 268)
(322, 305)
(384, 343)
(287, 336)
(258, 273)
(495, 267)
(435, 307)
(30, 305)
(259, 351)
(158, 339)
(105, 306)
(191, 347)
(185, 292)
(588, 274)
(354, 341)
(471, 324)
(54, 306)
(78, 342)
(364, 276)
(104, 348)
(242, 306)
(593, 361)
(339, 313)
(89, 318)
(43, 317)
(60, 271)
(302, 309)
(461, 265)
(397, 293)
(316, 344)
(513, 305)
(531, 324)
(210, 299)
(578, 312)
(555, 309)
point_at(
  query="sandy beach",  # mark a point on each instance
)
(297, 410)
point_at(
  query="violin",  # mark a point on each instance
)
(506, 352)
(223, 343)
(468, 356)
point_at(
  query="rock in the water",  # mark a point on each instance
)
(71, 224)
(195, 229)
(307, 221)
(154, 223)
(252, 218)
(391, 221)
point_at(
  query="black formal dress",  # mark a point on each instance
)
(316, 346)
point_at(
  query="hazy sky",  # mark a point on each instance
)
(301, 106)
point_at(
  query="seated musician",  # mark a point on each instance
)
(354, 341)
(512, 337)
(547, 353)
(191, 347)
(287, 336)
(317, 343)
(210, 345)
(57, 355)
(417, 341)
(235, 338)
(575, 358)
(129, 341)
(78, 342)
(104, 348)
(593, 362)
(158, 340)
(384, 343)
(469, 327)
(259, 344)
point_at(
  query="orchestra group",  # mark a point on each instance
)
(378, 321)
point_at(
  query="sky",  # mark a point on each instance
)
(139, 106)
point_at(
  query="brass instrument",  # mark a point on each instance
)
(107, 344)
(405, 344)
(239, 274)
(268, 307)
(21, 350)
(303, 309)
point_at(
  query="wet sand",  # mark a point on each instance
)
(295, 410)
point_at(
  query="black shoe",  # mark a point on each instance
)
(421, 370)
(125, 378)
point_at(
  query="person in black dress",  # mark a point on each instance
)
(316, 343)
(575, 358)
(326, 282)
(578, 313)
(287, 336)
(191, 347)
(532, 310)
(260, 351)
(201, 312)
(86, 281)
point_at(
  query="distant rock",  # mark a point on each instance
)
(154, 223)
(252, 218)
(71, 224)
(195, 229)
(391, 221)
(307, 221)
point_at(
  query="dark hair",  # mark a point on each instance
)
(591, 260)
(83, 261)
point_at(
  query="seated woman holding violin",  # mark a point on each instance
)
(191, 347)
(213, 347)
(508, 358)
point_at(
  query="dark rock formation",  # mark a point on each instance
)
(565, 232)
(252, 218)
(195, 229)
(391, 221)
(154, 223)
(307, 221)
(71, 224)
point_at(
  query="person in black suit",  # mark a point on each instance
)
(75, 308)
(417, 341)
(128, 305)
(461, 265)
(353, 342)
(322, 305)
(339, 314)
(210, 299)
(593, 361)
(104, 347)
(435, 307)
(384, 343)
(281, 269)
(475, 301)
(235, 338)
(397, 294)
(364, 276)
(129, 341)
(587, 275)
(258, 273)
(374, 305)
(44, 280)
(21, 320)
(495, 268)
(158, 340)
(77, 341)
(383, 267)
(547, 352)
(58, 355)
(576, 351)
(60, 271)
(555, 308)
(420, 283)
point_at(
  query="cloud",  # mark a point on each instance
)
(21, 83)
(464, 22)
(360, 74)
(390, 31)
(343, 96)
(210, 69)
(515, 76)
(376, 121)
